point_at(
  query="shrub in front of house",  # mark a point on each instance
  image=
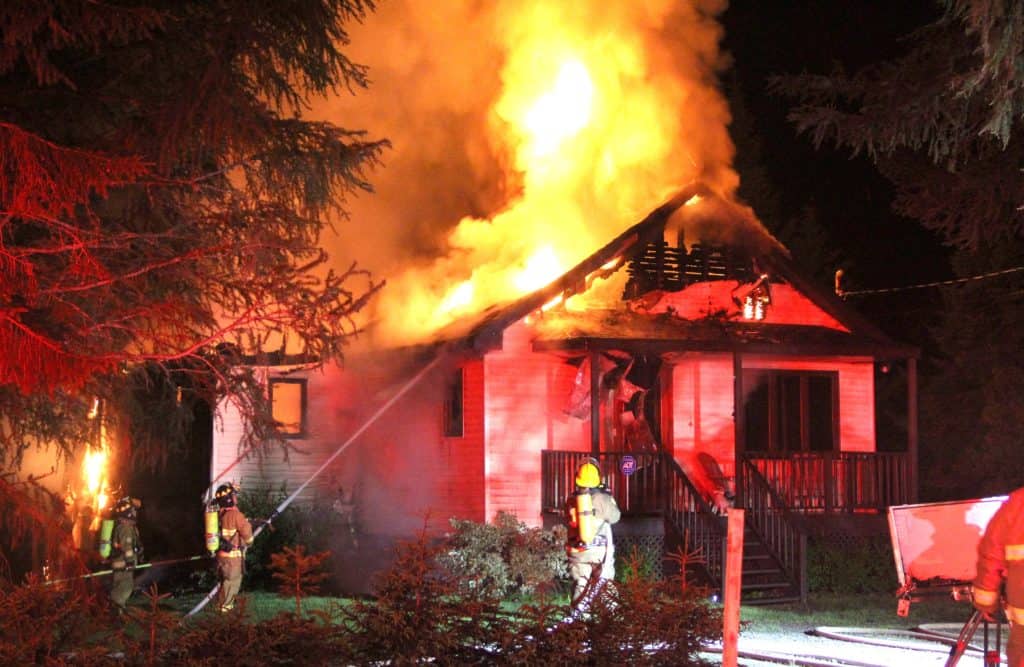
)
(312, 525)
(419, 615)
(505, 558)
(38, 622)
(422, 613)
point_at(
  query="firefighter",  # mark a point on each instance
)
(1001, 566)
(125, 550)
(235, 538)
(591, 511)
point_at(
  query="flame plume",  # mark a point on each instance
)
(87, 502)
(564, 122)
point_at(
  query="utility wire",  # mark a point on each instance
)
(956, 281)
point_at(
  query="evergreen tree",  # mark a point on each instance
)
(938, 120)
(942, 122)
(162, 201)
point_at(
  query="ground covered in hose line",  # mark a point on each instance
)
(859, 631)
(855, 647)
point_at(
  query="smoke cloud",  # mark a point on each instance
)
(471, 189)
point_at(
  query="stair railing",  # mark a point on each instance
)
(770, 518)
(691, 515)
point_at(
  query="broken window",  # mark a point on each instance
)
(288, 406)
(453, 406)
(630, 395)
(791, 411)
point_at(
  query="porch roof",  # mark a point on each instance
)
(636, 332)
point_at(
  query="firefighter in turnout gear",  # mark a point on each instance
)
(591, 511)
(125, 550)
(235, 537)
(1001, 565)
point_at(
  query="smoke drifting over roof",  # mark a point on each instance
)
(522, 130)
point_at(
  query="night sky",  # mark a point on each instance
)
(879, 248)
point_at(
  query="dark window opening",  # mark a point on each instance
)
(288, 406)
(453, 407)
(791, 411)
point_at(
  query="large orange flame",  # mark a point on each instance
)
(93, 494)
(602, 112)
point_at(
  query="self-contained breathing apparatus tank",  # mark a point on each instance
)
(582, 516)
(586, 517)
(106, 533)
(211, 525)
(225, 496)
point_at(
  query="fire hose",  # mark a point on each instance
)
(921, 640)
(130, 568)
(288, 501)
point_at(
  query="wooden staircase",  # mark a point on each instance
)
(774, 550)
(764, 580)
(772, 567)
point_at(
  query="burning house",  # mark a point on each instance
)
(698, 366)
(557, 319)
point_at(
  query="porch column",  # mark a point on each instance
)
(739, 427)
(912, 428)
(595, 403)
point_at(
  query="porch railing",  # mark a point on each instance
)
(658, 486)
(769, 517)
(827, 482)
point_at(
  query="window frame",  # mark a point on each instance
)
(303, 400)
(453, 412)
(776, 441)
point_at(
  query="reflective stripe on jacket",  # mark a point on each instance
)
(235, 531)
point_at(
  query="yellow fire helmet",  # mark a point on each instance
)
(125, 507)
(588, 475)
(226, 495)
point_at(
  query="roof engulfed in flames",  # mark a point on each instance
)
(591, 115)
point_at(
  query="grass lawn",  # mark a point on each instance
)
(259, 605)
(874, 610)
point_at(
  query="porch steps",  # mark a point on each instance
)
(764, 581)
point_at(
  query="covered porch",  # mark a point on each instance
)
(805, 482)
(781, 495)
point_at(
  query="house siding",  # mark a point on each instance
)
(461, 481)
(702, 415)
(525, 394)
(275, 468)
(856, 394)
(404, 473)
(703, 409)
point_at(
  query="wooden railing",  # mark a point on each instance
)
(769, 517)
(695, 521)
(658, 486)
(815, 482)
(638, 493)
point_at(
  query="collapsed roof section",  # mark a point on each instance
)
(694, 237)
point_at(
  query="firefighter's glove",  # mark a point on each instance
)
(987, 602)
(118, 564)
(263, 523)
